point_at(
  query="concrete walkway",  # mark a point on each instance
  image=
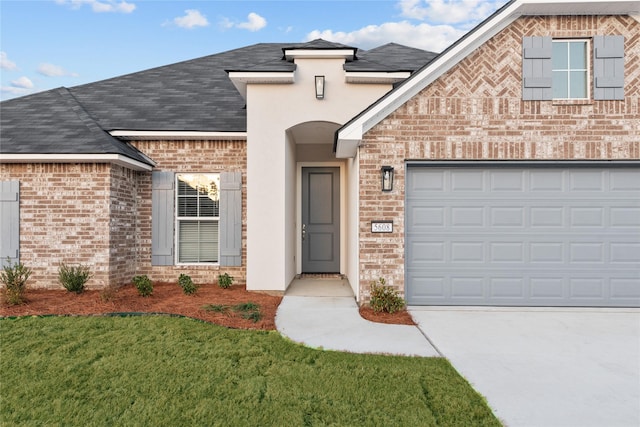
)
(327, 317)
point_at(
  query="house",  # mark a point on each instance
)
(503, 171)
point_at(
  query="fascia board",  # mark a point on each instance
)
(373, 77)
(133, 135)
(117, 159)
(319, 53)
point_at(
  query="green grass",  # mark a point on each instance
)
(167, 371)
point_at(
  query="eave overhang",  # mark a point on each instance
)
(240, 79)
(146, 135)
(292, 54)
(374, 77)
(117, 159)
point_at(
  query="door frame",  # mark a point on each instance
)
(343, 213)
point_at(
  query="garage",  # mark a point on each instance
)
(518, 234)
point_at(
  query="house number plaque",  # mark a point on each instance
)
(382, 226)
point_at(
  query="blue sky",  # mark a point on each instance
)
(50, 43)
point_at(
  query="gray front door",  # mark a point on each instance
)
(321, 220)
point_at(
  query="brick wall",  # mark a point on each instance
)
(189, 156)
(475, 111)
(64, 218)
(100, 214)
(124, 242)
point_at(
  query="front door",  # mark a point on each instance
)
(321, 220)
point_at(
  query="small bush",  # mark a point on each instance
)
(73, 278)
(187, 285)
(385, 298)
(144, 285)
(14, 277)
(224, 280)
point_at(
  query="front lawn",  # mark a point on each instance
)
(167, 371)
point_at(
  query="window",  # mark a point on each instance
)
(564, 69)
(570, 69)
(197, 217)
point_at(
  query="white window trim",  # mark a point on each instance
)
(589, 69)
(178, 219)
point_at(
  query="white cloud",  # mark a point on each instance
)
(22, 83)
(445, 22)
(192, 19)
(434, 38)
(6, 63)
(101, 6)
(449, 11)
(253, 23)
(51, 70)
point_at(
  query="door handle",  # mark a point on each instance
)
(304, 231)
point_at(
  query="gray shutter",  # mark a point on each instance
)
(608, 67)
(9, 222)
(162, 217)
(537, 74)
(230, 219)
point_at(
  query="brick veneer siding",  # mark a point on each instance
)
(100, 214)
(64, 218)
(194, 157)
(475, 111)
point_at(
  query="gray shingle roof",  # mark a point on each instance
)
(194, 95)
(53, 122)
(390, 57)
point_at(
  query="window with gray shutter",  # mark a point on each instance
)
(231, 219)
(9, 222)
(608, 67)
(162, 218)
(197, 214)
(537, 75)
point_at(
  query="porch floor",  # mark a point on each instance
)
(320, 287)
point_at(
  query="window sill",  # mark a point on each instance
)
(572, 102)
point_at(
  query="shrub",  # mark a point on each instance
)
(14, 277)
(144, 285)
(385, 298)
(224, 280)
(73, 278)
(187, 285)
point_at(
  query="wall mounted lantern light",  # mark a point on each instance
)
(387, 178)
(319, 87)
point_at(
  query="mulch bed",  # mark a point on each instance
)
(168, 298)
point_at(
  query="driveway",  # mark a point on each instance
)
(544, 367)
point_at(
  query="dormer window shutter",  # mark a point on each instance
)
(537, 75)
(608, 67)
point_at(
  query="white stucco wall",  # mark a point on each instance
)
(271, 161)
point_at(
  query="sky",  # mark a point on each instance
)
(46, 44)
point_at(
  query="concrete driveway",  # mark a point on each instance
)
(544, 367)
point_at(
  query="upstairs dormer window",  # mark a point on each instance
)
(573, 69)
(570, 69)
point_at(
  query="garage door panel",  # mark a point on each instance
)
(624, 180)
(554, 236)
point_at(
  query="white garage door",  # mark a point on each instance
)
(505, 236)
